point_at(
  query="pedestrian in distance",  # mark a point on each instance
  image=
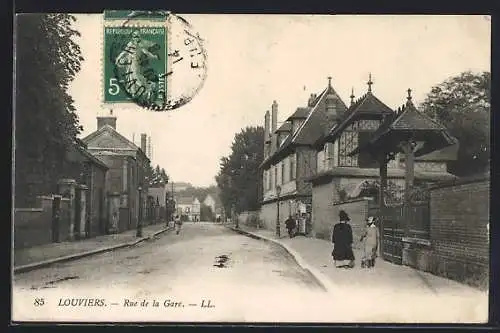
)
(178, 224)
(342, 253)
(369, 241)
(290, 225)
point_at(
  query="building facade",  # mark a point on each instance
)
(125, 185)
(342, 177)
(290, 157)
(188, 208)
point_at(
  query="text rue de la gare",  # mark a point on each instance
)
(128, 303)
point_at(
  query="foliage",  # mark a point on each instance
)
(206, 213)
(156, 176)
(47, 60)
(239, 178)
(462, 104)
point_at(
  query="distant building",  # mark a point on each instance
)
(210, 202)
(188, 207)
(159, 193)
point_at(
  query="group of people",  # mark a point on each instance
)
(298, 225)
(342, 239)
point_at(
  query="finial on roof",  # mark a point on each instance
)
(409, 95)
(352, 96)
(370, 82)
(329, 81)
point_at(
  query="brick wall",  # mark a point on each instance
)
(459, 235)
(323, 216)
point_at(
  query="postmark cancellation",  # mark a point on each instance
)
(151, 60)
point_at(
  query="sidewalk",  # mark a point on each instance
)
(43, 255)
(389, 285)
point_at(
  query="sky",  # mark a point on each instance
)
(255, 59)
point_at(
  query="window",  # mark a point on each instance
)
(292, 168)
(282, 172)
(365, 159)
(347, 143)
(330, 155)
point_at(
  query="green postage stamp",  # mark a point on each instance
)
(135, 65)
(151, 59)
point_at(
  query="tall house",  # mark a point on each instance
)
(290, 156)
(126, 177)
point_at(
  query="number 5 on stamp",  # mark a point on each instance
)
(135, 65)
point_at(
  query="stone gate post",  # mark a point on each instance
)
(67, 190)
(82, 214)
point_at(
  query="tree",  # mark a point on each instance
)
(239, 178)
(206, 213)
(462, 104)
(157, 176)
(47, 60)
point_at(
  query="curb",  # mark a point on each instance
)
(45, 263)
(320, 278)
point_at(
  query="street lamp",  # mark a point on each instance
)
(278, 229)
(139, 221)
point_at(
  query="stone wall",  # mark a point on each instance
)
(33, 226)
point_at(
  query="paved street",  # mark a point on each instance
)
(259, 281)
(240, 279)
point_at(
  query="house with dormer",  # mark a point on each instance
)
(290, 157)
(125, 184)
(345, 181)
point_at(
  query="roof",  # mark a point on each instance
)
(110, 129)
(367, 105)
(313, 127)
(409, 121)
(85, 153)
(317, 122)
(300, 113)
(448, 153)
(286, 127)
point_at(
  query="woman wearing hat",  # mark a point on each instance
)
(342, 253)
(370, 243)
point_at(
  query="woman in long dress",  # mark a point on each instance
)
(370, 243)
(342, 253)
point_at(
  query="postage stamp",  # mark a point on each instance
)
(135, 65)
(151, 59)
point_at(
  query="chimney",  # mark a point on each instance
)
(266, 126)
(312, 98)
(266, 134)
(106, 120)
(274, 110)
(144, 139)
